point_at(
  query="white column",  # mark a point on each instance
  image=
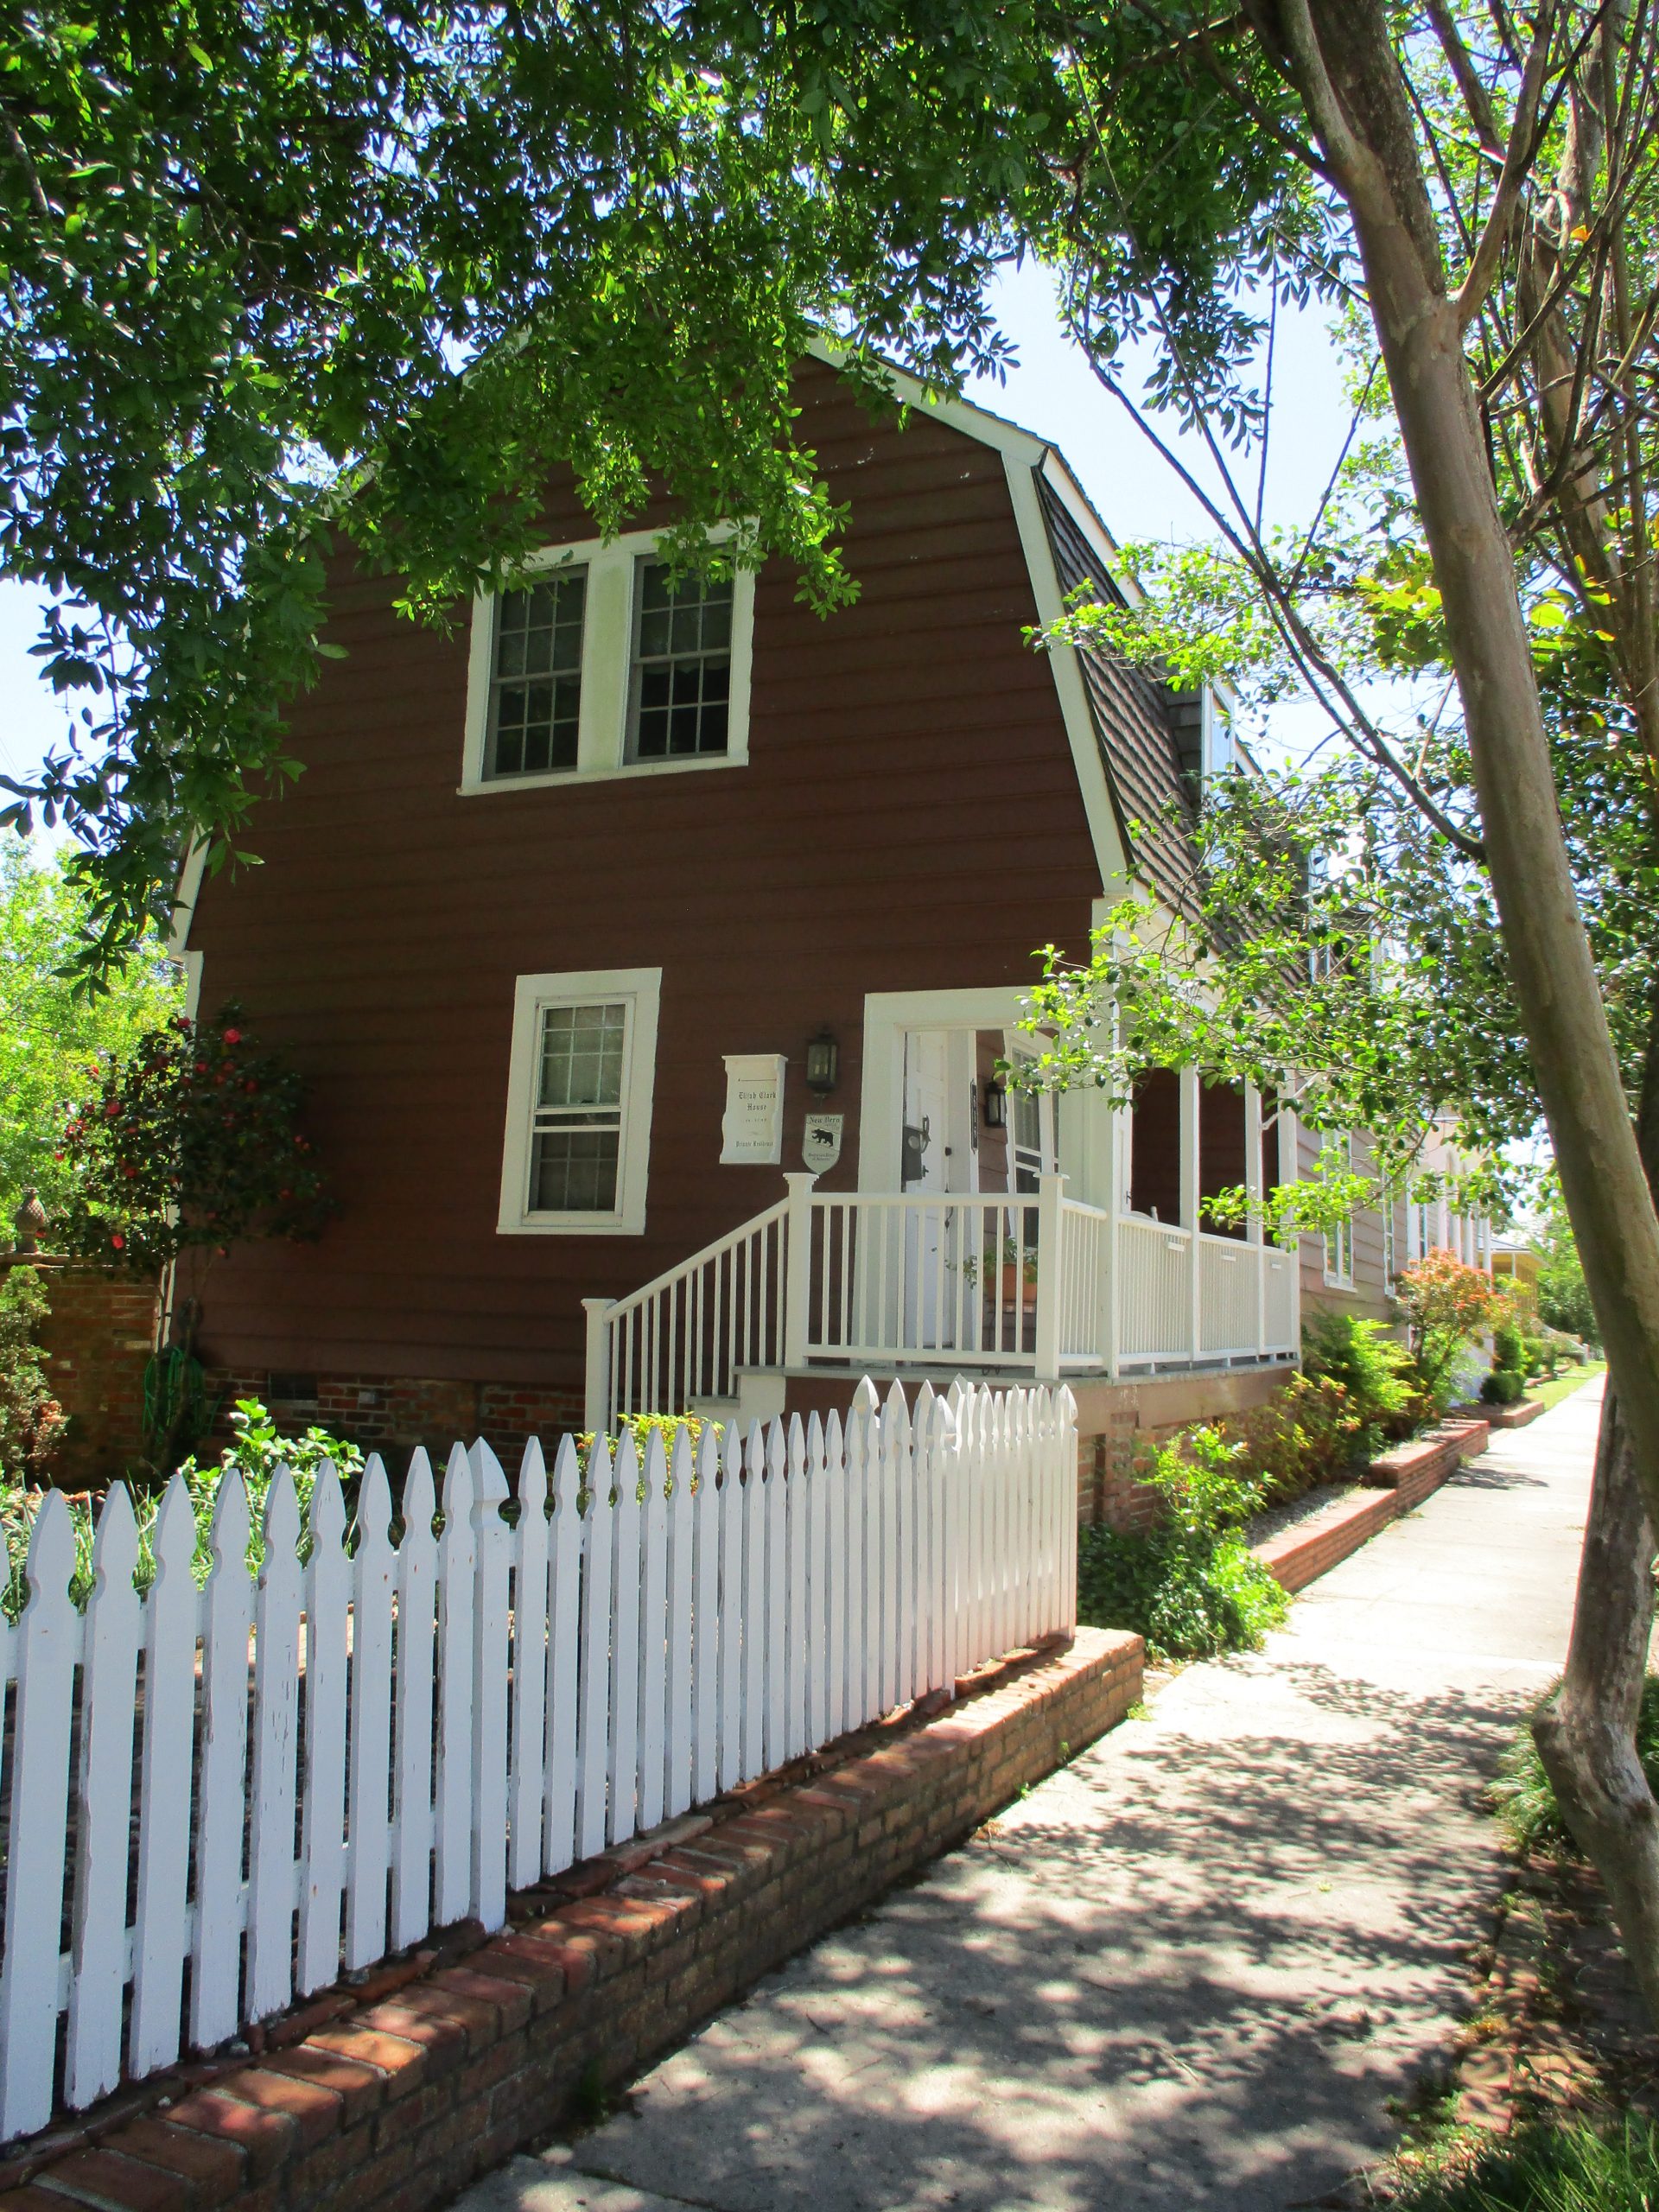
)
(1253, 1235)
(1050, 1221)
(596, 1398)
(797, 1267)
(1192, 1186)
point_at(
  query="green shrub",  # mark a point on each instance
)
(1372, 1370)
(1508, 1348)
(32, 1421)
(1503, 1386)
(256, 1453)
(1523, 1795)
(1545, 2168)
(1536, 1358)
(1302, 1435)
(1191, 1586)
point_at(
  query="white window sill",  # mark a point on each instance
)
(572, 1225)
(489, 787)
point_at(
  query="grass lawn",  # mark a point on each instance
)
(1571, 1379)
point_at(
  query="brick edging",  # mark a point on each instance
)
(393, 2096)
(1397, 1482)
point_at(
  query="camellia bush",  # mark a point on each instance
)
(188, 1145)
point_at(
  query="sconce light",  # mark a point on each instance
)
(996, 1103)
(823, 1064)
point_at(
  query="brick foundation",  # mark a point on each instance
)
(1521, 1416)
(393, 1415)
(97, 1340)
(393, 2095)
(1398, 1482)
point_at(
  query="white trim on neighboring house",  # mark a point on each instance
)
(185, 895)
(640, 989)
(607, 657)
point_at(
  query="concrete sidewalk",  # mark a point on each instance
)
(1193, 1968)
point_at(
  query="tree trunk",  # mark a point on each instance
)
(1339, 54)
(1586, 1733)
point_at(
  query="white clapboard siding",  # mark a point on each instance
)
(483, 1700)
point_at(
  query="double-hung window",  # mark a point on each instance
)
(584, 1048)
(681, 680)
(536, 676)
(606, 663)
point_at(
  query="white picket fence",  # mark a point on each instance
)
(216, 1798)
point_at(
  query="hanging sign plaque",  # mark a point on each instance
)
(821, 1143)
(752, 1132)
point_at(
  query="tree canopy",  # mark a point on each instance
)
(53, 1038)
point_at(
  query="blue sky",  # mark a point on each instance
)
(1051, 393)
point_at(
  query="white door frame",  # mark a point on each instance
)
(888, 1015)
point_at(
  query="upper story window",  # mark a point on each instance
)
(536, 682)
(600, 665)
(680, 696)
(584, 1053)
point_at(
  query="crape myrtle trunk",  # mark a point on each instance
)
(1338, 56)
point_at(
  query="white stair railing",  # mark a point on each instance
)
(684, 1335)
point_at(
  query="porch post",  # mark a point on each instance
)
(1119, 1137)
(596, 1396)
(797, 1267)
(1253, 1235)
(1051, 1189)
(1289, 1172)
(1191, 1189)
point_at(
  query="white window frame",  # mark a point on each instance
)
(640, 989)
(608, 631)
(1341, 1277)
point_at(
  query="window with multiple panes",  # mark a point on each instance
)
(576, 1151)
(577, 1127)
(1340, 1238)
(536, 676)
(681, 678)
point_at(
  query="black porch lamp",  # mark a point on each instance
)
(823, 1064)
(996, 1107)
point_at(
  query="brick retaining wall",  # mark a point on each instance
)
(1398, 1481)
(391, 2096)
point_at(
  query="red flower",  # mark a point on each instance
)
(119, 1241)
(232, 1036)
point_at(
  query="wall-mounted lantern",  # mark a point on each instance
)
(996, 1103)
(823, 1064)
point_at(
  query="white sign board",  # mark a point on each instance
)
(752, 1132)
(821, 1143)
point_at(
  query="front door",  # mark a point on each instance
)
(928, 1157)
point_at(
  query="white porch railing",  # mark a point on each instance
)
(443, 1718)
(1033, 1283)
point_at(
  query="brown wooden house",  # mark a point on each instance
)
(650, 952)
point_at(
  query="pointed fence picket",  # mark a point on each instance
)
(440, 1710)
